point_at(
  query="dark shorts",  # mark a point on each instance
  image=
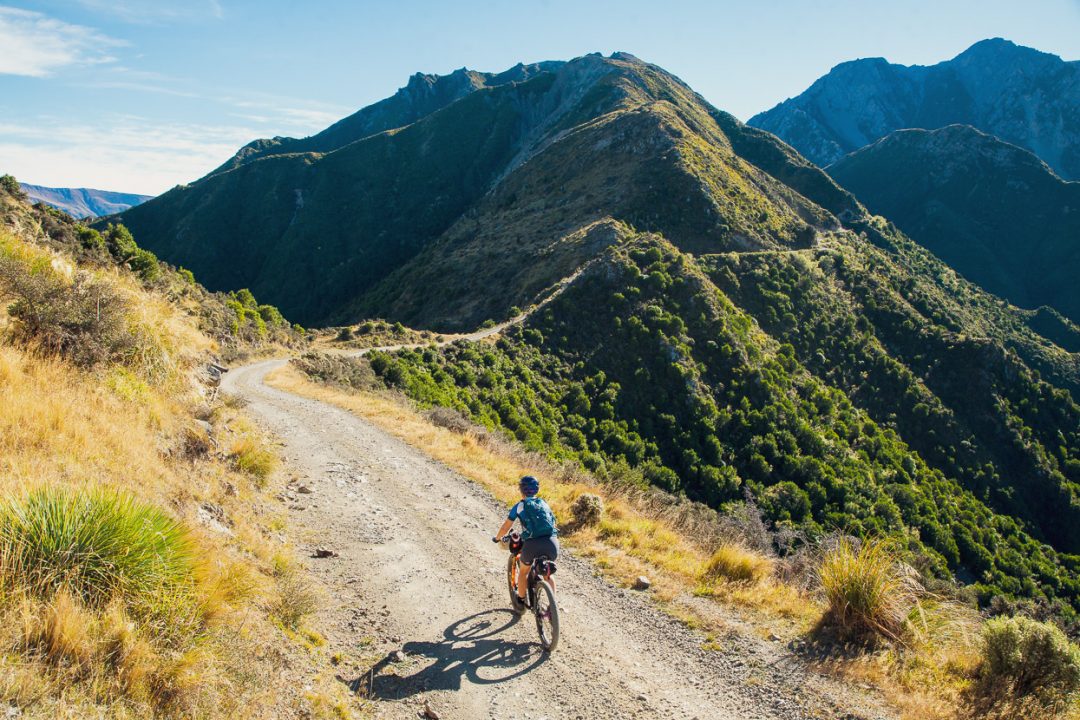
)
(535, 547)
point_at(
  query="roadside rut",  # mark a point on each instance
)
(416, 572)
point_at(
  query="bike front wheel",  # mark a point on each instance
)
(547, 615)
(511, 581)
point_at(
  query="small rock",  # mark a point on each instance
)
(397, 656)
(207, 427)
(323, 553)
(642, 583)
(643, 698)
(429, 712)
(773, 637)
(304, 489)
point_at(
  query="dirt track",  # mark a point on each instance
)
(417, 572)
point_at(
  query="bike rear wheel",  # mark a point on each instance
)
(547, 615)
(511, 581)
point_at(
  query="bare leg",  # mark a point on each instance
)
(523, 580)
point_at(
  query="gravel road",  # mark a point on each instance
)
(416, 571)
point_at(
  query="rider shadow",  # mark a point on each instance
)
(469, 649)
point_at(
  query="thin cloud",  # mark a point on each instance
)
(36, 45)
(126, 153)
(154, 12)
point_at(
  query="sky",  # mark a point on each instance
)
(139, 96)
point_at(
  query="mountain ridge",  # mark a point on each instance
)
(374, 204)
(992, 210)
(1024, 96)
(84, 202)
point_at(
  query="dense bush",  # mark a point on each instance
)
(82, 319)
(1024, 657)
(450, 419)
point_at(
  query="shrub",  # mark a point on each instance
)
(587, 509)
(84, 320)
(450, 419)
(1028, 658)
(868, 590)
(349, 372)
(345, 334)
(739, 564)
(120, 242)
(10, 185)
(97, 545)
(145, 264)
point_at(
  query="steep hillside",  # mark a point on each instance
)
(858, 385)
(1023, 96)
(84, 202)
(533, 157)
(143, 571)
(991, 210)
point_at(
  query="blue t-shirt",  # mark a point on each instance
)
(536, 518)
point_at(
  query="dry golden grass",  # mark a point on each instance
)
(738, 564)
(869, 592)
(127, 428)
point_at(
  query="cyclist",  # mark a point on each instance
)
(538, 532)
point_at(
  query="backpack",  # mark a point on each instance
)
(536, 518)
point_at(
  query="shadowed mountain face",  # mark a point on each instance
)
(84, 202)
(993, 211)
(1023, 96)
(488, 171)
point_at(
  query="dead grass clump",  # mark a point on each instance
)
(253, 458)
(295, 596)
(738, 564)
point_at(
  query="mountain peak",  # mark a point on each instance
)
(1022, 95)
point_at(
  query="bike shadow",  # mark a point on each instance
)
(470, 649)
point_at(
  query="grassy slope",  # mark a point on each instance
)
(128, 426)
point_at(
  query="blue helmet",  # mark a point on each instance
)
(529, 485)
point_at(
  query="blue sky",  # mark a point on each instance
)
(138, 96)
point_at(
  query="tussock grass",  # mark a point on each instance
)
(253, 458)
(295, 595)
(738, 564)
(98, 545)
(869, 591)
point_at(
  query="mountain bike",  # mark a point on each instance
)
(540, 594)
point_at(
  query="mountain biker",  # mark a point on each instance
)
(538, 532)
